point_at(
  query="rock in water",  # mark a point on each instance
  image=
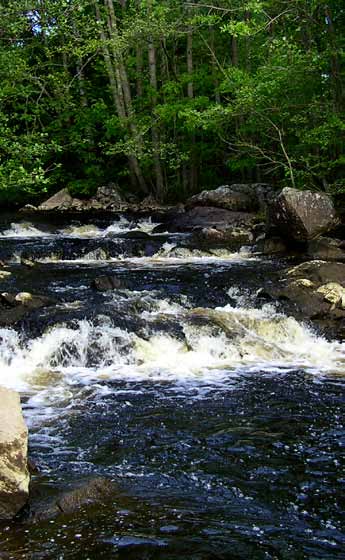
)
(95, 491)
(14, 474)
(14, 307)
(302, 215)
(105, 283)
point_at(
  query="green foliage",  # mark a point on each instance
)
(193, 93)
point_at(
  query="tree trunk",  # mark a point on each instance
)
(190, 69)
(335, 63)
(214, 65)
(117, 76)
(160, 186)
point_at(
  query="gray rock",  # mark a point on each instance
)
(28, 208)
(302, 215)
(62, 200)
(237, 197)
(108, 197)
(14, 474)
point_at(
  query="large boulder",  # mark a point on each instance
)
(238, 197)
(62, 200)
(302, 215)
(14, 474)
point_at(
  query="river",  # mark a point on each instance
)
(219, 417)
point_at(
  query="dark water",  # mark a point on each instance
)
(244, 461)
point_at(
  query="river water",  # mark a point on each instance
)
(219, 417)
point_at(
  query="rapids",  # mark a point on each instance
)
(219, 416)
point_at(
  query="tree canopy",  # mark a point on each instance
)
(167, 97)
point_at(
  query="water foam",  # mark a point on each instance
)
(214, 342)
(24, 229)
(121, 226)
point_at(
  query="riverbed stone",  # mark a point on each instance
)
(14, 474)
(302, 215)
(271, 245)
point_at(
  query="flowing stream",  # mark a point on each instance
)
(219, 417)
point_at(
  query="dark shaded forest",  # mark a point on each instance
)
(167, 97)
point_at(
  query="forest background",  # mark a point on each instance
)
(167, 97)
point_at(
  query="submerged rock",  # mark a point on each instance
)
(14, 474)
(237, 197)
(14, 307)
(95, 491)
(302, 215)
(230, 238)
(105, 283)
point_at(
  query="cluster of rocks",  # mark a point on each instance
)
(231, 215)
(313, 290)
(108, 198)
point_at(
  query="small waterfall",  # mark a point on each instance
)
(214, 342)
